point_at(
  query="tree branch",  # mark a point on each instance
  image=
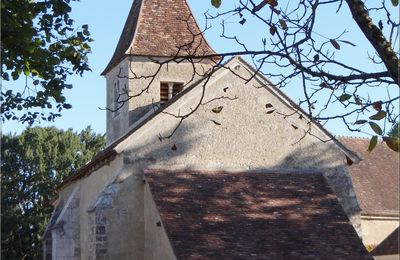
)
(375, 37)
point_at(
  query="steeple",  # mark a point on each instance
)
(159, 28)
(154, 30)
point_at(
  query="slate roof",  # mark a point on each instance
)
(221, 215)
(375, 178)
(160, 28)
(389, 246)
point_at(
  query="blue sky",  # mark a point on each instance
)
(106, 20)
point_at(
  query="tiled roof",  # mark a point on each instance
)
(160, 28)
(389, 246)
(220, 215)
(376, 177)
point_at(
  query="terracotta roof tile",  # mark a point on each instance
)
(376, 177)
(160, 28)
(389, 246)
(219, 215)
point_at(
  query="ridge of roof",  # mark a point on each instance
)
(126, 36)
(159, 28)
(381, 214)
(351, 137)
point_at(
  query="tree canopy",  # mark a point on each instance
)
(41, 44)
(33, 164)
(395, 131)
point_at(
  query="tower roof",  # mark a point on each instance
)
(159, 28)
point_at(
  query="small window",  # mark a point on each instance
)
(116, 99)
(168, 90)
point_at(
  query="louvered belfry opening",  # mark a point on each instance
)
(168, 90)
(163, 93)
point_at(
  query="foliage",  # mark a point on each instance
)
(393, 138)
(395, 131)
(40, 43)
(33, 164)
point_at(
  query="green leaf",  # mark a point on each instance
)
(26, 71)
(372, 143)
(67, 106)
(216, 3)
(395, 2)
(378, 116)
(376, 128)
(344, 97)
(360, 122)
(335, 44)
(283, 24)
(5, 76)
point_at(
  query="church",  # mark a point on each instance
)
(205, 159)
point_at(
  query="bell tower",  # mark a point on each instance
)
(159, 52)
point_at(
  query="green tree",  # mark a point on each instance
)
(39, 42)
(33, 164)
(395, 131)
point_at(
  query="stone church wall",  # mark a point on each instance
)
(244, 136)
(65, 236)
